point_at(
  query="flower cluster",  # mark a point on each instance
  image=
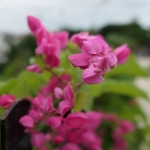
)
(49, 45)
(51, 121)
(65, 125)
(96, 58)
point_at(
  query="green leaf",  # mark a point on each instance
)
(8, 86)
(80, 100)
(27, 84)
(118, 87)
(90, 99)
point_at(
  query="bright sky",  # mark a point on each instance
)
(76, 14)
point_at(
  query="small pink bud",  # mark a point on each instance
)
(122, 53)
(58, 92)
(6, 100)
(34, 24)
(27, 121)
(34, 68)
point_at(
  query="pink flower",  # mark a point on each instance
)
(34, 25)
(42, 103)
(122, 53)
(76, 120)
(71, 146)
(98, 67)
(27, 121)
(40, 139)
(6, 100)
(34, 68)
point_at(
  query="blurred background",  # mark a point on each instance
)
(119, 21)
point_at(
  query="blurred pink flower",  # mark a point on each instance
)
(34, 68)
(39, 140)
(6, 100)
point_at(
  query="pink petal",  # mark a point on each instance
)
(7, 100)
(54, 121)
(34, 68)
(90, 139)
(68, 93)
(58, 92)
(94, 119)
(64, 106)
(76, 120)
(27, 121)
(49, 88)
(39, 140)
(79, 60)
(79, 38)
(122, 53)
(127, 126)
(35, 115)
(58, 139)
(95, 47)
(47, 104)
(34, 24)
(63, 38)
(52, 61)
(41, 47)
(90, 77)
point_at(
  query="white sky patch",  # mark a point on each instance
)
(76, 14)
